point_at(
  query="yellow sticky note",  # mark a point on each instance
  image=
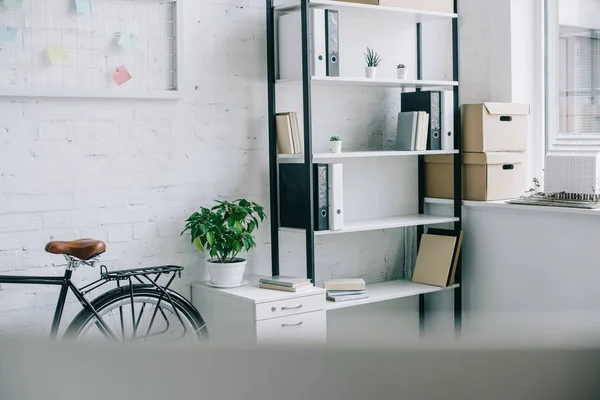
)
(57, 54)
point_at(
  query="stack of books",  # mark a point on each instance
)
(413, 128)
(290, 138)
(285, 283)
(346, 289)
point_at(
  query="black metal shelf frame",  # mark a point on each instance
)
(308, 153)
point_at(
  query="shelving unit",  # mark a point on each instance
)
(374, 224)
(398, 14)
(323, 157)
(370, 82)
(386, 290)
(390, 290)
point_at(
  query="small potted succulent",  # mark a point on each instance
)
(373, 61)
(335, 144)
(224, 231)
(402, 71)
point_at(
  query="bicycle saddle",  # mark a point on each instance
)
(84, 249)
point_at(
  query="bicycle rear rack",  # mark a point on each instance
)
(140, 275)
(128, 273)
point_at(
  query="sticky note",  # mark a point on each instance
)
(16, 4)
(127, 41)
(83, 6)
(57, 54)
(8, 33)
(121, 75)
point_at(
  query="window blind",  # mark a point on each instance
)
(583, 94)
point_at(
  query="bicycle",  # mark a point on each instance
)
(123, 312)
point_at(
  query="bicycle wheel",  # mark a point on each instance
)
(151, 316)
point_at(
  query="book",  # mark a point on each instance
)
(285, 142)
(457, 248)
(424, 130)
(406, 134)
(434, 260)
(335, 293)
(285, 288)
(345, 284)
(420, 132)
(348, 297)
(299, 135)
(287, 281)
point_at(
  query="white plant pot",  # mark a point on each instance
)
(402, 73)
(371, 72)
(228, 274)
(335, 146)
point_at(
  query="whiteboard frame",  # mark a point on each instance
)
(117, 93)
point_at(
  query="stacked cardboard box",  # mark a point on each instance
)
(494, 141)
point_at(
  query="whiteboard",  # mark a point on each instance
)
(90, 48)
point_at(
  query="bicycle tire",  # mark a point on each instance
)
(106, 300)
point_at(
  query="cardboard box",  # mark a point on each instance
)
(486, 176)
(443, 6)
(494, 127)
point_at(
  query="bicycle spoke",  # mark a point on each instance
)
(164, 322)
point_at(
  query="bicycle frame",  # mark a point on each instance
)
(65, 284)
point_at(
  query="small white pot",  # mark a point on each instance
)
(402, 73)
(228, 274)
(371, 72)
(335, 146)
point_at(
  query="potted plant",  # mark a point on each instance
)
(402, 71)
(224, 231)
(373, 60)
(335, 144)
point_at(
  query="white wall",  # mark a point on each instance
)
(129, 172)
(579, 13)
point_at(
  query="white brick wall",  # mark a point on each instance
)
(129, 172)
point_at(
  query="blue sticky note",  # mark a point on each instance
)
(83, 6)
(127, 41)
(8, 34)
(15, 4)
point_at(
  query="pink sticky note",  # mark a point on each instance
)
(121, 75)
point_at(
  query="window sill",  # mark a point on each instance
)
(502, 206)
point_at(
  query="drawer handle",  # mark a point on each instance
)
(291, 308)
(291, 325)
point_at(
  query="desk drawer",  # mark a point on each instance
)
(297, 305)
(309, 327)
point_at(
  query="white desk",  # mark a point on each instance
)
(250, 314)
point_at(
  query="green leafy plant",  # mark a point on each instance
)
(225, 229)
(399, 66)
(373, 59)
(335, 139)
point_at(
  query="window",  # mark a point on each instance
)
(573, 75)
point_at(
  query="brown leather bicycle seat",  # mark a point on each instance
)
(84, 249)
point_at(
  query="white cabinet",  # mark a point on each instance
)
(248, 314)
(310, 326)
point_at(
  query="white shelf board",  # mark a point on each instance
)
(389, 291)
(382, 223)
(90, 93)
(433, 200)
(407, 15)
(373, 82)
(318, 157)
